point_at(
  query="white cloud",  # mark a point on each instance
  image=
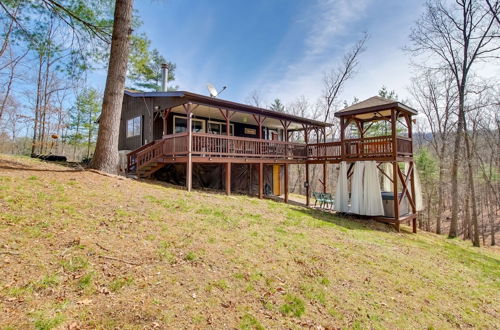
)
(333, 27)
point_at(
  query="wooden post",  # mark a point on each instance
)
(342, 134)
(228, 179)
(395, 170)
(189, 165)
(306, 140)
(394, 118)
(286, 182)
(261, 180)
(325, 166)
(228, 165)
(410, 131)
(164, 116)
(324, 177)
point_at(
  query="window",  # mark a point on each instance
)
(134, 127)
(215, 127)
(180, 125)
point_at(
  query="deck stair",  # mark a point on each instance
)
(148, 169)
(145, 160)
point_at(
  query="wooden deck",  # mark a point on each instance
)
(221, 149)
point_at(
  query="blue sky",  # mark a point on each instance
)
(280, 48)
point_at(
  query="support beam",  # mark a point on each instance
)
(394, 118)
(189, 165)
(228, 179)
(308, 193)
(286, 183)
(342, 137)
(308, 189)
(324, 177)
(259, 120)
(164, 116)
(396, 195)
(261, 180)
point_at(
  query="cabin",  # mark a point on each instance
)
(200, 141)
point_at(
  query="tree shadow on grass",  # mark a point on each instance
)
(11, 165)
(343, 220)
(349, 221)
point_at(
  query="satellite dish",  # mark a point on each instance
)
(212, 90)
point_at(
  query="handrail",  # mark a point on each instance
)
(215, 145)
(132, 156)
(241, 138)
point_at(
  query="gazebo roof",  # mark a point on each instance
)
(375, 106)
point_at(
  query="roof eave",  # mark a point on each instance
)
(220, 103)
(395, 105)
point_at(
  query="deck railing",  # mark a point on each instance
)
(324, 151)
(371, 147)
(212, 145)
(222, 146)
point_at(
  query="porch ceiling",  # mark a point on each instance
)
(238, 117)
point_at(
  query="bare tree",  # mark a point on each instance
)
(460, 35)
(13, 62)
(334, 81)
(255, 99)
(106, 152)
(494, 8)
(436, 96)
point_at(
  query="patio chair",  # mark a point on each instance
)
(318, 198)
(329, 200)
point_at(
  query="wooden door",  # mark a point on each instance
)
(276, 180)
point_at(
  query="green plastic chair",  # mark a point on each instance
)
(318, 198)
(328, 199)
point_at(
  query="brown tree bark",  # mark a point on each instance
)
(466, 225)
(106, 152)
(37, 105)
(472, 188)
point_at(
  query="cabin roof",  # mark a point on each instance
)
(372, 107)
(225, 104)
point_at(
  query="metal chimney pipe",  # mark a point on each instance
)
(164, 77)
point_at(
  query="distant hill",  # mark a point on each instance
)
(83, 250)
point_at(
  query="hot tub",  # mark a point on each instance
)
(388, 201)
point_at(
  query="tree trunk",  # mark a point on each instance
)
(466, 229)
(440, 193)
(472, 189)
(37, 105)
(106, 151)
(493, 224)
(455, 164)
(89, 137)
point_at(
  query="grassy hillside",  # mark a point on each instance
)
(85, 250)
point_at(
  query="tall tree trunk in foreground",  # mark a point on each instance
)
(106, 151)
(37, 105)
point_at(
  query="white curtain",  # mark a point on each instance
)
(342, 194)
(419, 203)
(386, 183)
(372, 197)
(357, 188)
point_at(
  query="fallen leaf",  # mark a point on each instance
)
(85, 302)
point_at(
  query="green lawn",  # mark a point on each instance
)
(83, 249)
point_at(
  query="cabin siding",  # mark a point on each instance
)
(152, 122)
(145, 107)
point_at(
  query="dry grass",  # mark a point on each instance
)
(89, 251)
